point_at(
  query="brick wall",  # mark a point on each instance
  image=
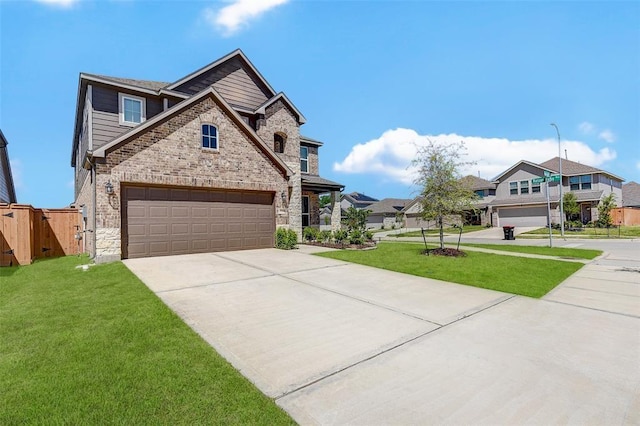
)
(170, 153)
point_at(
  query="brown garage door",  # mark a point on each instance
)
(167, 221)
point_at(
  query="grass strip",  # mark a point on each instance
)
(435, 231)
(569, 253)
(517, 275)
(98, 347)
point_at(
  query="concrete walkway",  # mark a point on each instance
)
(337, 343)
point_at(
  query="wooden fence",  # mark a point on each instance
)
(27, 233)
(625, 216)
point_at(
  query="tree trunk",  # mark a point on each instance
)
(441, 225)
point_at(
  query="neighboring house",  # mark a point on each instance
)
(7, 188)
(485, 192)
(519, 201)
(630, 195)
(386, 213)
(211, 162)
(356, 200)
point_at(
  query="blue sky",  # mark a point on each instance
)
(373, 78)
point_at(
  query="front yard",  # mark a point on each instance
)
(587, 232)
(98, 347)
(510, 274)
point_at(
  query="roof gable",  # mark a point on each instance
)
(262, 109)
(516, 166)
(631, 194)
(230, 112)
(570, 168)
(233, 76)
(389, 205)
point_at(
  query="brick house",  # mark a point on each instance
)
(211, 162)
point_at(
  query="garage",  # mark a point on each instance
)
(523, 216)
(164, 221)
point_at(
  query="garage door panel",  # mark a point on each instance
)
(523, 216)
(165, 221)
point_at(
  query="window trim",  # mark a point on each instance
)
(305, 159)
(516, 188)
(143, 109)
(202, 136)
(308, 213)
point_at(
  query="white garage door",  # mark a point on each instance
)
(523, 216)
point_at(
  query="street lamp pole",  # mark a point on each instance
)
(560, 172)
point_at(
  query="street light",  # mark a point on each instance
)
(560, 172)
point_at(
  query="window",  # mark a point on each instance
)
(480, 193)
(306, 220)
(524, 187)
(132, 109)
(304, 159)
(535, 188)
(209, 136)
(513, 188)
(278, 143)
(577, 183)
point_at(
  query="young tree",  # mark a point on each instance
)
(571, 207)
(325, 200)
(442, 190)
(356, 219)
(604, 211)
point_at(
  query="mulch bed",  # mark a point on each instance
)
(445, 252)
(365, 246)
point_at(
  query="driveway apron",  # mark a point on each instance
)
(338, 343)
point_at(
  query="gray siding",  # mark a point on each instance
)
(106, 124)
(4, 178)
(235, 82)
(525, 172)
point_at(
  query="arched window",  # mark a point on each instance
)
(278, 143)
(209, 136)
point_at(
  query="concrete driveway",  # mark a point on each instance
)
(336, 343)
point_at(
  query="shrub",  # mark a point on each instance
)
(356, 237)
(324, 236)
(286, 239)
(368, 235)
(340, 235)
(310, 234)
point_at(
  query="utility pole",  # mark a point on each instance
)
(560, 172)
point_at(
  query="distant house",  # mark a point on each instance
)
(520, 198)
(386, 213)
(356, 200)
(630, 195)
(7, 188)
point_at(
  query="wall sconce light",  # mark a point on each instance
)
(108, 187)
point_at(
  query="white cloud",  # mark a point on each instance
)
(232, 18)
(391, 154)
(586, 128)
(16, 173)
(607, 136)
(59, 3)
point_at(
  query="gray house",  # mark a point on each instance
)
(7, 188)
(386, 213)
(356, 200)
(213, 161)
(521, 200)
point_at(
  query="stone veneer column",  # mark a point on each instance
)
(336, 213)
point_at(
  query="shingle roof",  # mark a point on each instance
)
(388, 205)
(321, 183)
(475, 183)
(357, 196)
(631, 194)
(570, 167)
(143, 84)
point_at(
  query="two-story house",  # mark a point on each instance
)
(211, 162)
(521, 199)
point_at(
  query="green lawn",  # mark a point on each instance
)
(432, 231)
(614, 232)
(517, 275)
(98, 347)
(547, 251)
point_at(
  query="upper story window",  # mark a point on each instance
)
(304, 159)
(209, 136)
(535, 188)
(278, 143)
(513, 188)
(524, 187)
(582, 182)
(133, 109)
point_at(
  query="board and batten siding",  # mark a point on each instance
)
(235, 82)
(4, 180)
(106, 123)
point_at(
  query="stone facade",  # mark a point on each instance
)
(84, 202)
